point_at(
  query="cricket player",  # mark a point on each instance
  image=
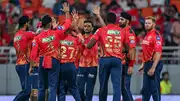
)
(111, 39)
(45, 46)
(127, 69)
(22, 43)
(88, 64)
(151, 61)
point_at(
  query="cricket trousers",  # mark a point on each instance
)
(126, 83)
(151, 84)
(86, 79)
(48, 79)
(67, 78)
(25, 81)
(110, 66)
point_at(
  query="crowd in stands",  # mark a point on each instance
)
(165, 11)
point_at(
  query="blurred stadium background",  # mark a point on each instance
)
(168, 23)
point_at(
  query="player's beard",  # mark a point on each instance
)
(87, 32)
(123, 25)
(150, 28)
(27, 28)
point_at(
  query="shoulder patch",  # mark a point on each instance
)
(60, 28)
(33, 43)
(158, 37)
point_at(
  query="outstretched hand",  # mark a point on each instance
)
(75, 15)
(96, 9)
(65, 7)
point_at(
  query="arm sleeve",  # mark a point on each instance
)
(64, 27)
(158, 43)
(34, 51)
(97, 34)
(130, 38)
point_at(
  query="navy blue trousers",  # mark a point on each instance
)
(86, 79)
(25, 79)
(151, 84)
(126, 83)
(48, 78)
(68, 80)
(107, 66)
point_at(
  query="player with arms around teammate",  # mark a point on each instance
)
(151, 61)
(111, 39)
(22, 41)
(87, 65)
(45, 46)
(130, 55)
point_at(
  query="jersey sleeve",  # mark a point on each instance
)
(34, 51)
(97, 35)
(158, 43)
(131, 38)
(64, 27)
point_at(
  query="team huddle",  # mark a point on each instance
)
(57, 59)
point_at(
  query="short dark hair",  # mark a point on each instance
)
(46, 20)
(89, 21)
(165, 73)
(111, 18)
(23, 20)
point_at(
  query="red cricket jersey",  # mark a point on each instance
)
(130, 39)
(46, 44)
(69, 49)
(22, 41)
(89, 57)
(152, 43)
(111, 39)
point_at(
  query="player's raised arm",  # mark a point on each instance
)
(66, 10)
(96, 11)
(78, 33)
(67, 23)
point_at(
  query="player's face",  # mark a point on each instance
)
(88, 28)
(122, 22)
(149, 25)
